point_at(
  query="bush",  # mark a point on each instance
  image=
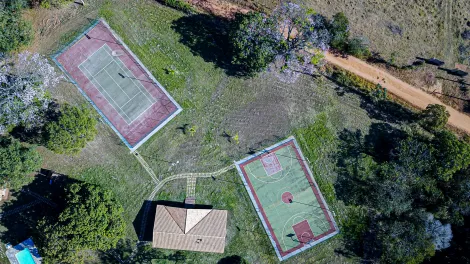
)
(434, 117)
(358, 48)
(73, 129)
(339, 30)
(179, 5)
(15, 32)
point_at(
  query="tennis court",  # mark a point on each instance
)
(117, 84)
(287, 199)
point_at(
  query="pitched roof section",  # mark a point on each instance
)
(165, 222)
(205, 229)
(178, 215)
(194, 216)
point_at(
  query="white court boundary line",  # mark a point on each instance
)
(161, 87)
(132, 80)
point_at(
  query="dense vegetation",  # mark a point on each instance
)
(16, 32)
(74, 127)
(17, 161)
(404, 191)
(91, 220)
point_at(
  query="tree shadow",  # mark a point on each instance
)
(208, 37)
(234, 259)
(22, 214)
(377, 108)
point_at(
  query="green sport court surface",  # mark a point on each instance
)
(287, 199)
(117, 84)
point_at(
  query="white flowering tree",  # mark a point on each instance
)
(440, 234)
(24, 82)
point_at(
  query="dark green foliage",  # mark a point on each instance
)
(396, 192)
(358, 48)
(434, 117)
(15, 32)
(73, 129)
(179, 5)
(91, 220)
(339, 30)
(253, 42)
(17, 161)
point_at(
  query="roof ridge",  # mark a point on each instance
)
(174, 220)
(199, 220)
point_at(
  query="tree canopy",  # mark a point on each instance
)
(15, 32)
(24, 82)
(404, 195)
(17, 161)
(339, 29)
(91, 220)
(434, 117)
(73, 129)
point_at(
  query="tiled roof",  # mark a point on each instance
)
(190, 229)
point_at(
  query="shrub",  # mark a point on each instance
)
(179, 5)
(434, 117)
(73, 129)
(15, 32)
(339, 30)
(358, 48)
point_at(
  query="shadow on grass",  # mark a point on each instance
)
(22, 214)
(207, 37)
(377, 108)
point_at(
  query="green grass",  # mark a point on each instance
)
(261, 110)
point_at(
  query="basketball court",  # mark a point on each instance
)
(117, 84)
(287, 198)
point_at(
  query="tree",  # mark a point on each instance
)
(452, 155)
(339, 30)
(254, 39)
(441, 234)
(358, 48)
(434, 117)
(24, 81)
(91, 220)
(15, 32)
(73, 129)
(17, 161)
(300, 28)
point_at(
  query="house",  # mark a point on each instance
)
(190, 229)
(23, 253)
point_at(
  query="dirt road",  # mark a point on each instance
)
(409, 93)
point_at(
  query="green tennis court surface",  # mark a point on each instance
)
(117, 84)
(287, 199)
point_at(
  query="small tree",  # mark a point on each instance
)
(339, 29)
(92, 220)
(254, 41)
(358, 48)
(434, 117)
(15, 32)
(24, 81)
(73, 129)
(17, 161)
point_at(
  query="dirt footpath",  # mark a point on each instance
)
(399, 88)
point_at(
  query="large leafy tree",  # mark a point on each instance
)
(15, 32)
(255, 41)
(91, 220)
(24, 82)
(17, 161)
(434, 117)
(73, 129)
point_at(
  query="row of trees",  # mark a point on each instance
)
(291, 34)
(404, 190)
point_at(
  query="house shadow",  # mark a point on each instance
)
(143, 222)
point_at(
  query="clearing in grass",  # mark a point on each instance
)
(287, 198)
(114, 80)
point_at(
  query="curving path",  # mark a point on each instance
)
(399, 88)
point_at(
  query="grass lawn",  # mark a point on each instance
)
(184, 54)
